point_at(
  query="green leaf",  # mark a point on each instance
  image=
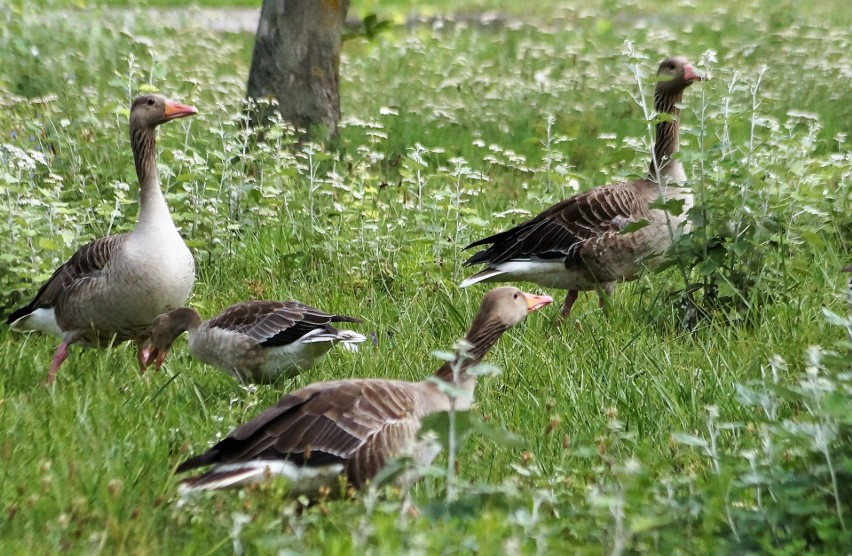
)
(439, 423)
(689, 440)
(662, 116)
(414, 163)
(466, 423)
(707, 267)
(495, 433)
(443, 355)
(485, 369)
(392, 469)
(47, 244)
(671, 206)
(254, 196)
(447, 388)
(742, 247)
(634, 226)
(643, 524)
(68, 237)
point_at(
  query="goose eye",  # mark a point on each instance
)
(515, 296)
(150, 102)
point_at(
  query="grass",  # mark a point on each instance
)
(616, 413)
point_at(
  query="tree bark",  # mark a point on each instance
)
(296, 61)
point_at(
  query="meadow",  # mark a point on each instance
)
(708, 412)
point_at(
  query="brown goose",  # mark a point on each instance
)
(111, 289)
(254, 341)
(353, 427)
(579, 244)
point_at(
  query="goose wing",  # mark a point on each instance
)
(84, 265)
(275, 323)
(559, 231)
(357, 423)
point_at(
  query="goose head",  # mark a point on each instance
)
(149, 111)
(676, 74)
(507, 306)
(166, 329)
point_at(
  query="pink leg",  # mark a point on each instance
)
(143, 352)
(60, 356)
(566, 306)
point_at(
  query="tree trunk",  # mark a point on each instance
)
(296, 61)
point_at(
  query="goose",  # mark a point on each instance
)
(583, 243)
(353, 427)
(112, 288)
(254, 341)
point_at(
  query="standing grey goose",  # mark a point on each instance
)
(353, 427)
(254, 341)
(111, 289)
(579, 244)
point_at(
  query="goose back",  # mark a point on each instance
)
(354, 424)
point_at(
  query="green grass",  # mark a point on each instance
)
(480, 120)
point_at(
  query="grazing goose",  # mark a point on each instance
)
(254, 341)
(579, 244)
(353, 427)
(111, 289)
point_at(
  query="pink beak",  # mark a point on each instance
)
(536, 302)
(689, 74)
(153, 356)
(174, 110)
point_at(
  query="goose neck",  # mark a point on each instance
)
(152, 204)
(667, 137)
(478, 342)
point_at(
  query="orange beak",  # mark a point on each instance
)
(174, 110)
(689, 74)
(536, 302)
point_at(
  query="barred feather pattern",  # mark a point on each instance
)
(86, 264)
(667, 132)
(144, 143)
(257, 341)
(581, 243)
(356, 424)
(275, 323)
(359, 423)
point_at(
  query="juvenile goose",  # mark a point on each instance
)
(353, 427)
(254, 341)
(111, 289)
(579, 244)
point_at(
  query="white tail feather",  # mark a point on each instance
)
(347, 338)
(302, 479)
(482, 276)
(40, 319)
